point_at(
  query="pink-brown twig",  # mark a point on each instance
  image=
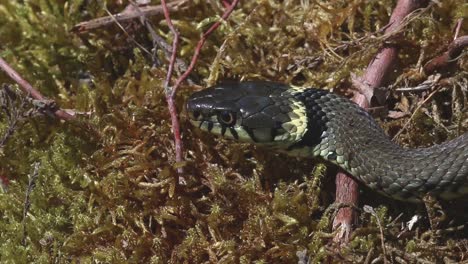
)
(175, 45)
(448, 58)
(171, 91)
(226, 3)
(4, 182)
(347, 188)
(202, 41)
(126, 15)
(457, 28)
(28, 89)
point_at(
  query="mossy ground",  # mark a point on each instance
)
(106, 189)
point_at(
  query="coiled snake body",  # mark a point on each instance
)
(310, 122)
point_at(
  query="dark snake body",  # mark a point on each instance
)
(311, 122)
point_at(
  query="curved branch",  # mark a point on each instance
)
(346, 187)
(171, 91)
(448, 58)
(126, 15)
(28, 89)
(202, 40)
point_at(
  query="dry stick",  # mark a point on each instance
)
(415, 112)
(457, 28)
(426, 85)
(28, 89)
(159, 41)
(175, 45)
(346, 187)
(169, 96)
(124, 16)
(225, 3)
(129, 13)
(200, 45)
(126, 33)
(448, 58)
(170, 92)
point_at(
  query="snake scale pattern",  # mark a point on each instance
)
(308, 122)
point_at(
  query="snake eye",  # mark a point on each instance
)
(195, 115)
(227, 118)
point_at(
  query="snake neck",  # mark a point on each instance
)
(371, 157)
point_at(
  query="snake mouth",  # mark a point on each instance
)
(221, 122)
(260, 115)
(212, 125)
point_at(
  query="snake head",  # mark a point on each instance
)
(248, 111)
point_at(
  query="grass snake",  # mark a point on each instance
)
(308, 122)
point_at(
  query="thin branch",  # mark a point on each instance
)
(124, 16)
(226, 3)
(204, 37)
(383, 62)
(448, 58)
(374, 76)
(28, 89)
(126, 33)
(157, 40)
(415, 112)
(175, 45)
(426, 85)
(457, 28)
(169, 95)
(171, 91)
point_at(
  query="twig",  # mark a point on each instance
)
(200, 45)
(28, 89)
(225, 3)
(448, 58)
(169, 94)
(346, 187)
(175, 45)
(126, 33)
(426, 85)
(457, 28)
(124, 16)
(171, 91)
(27, 201)
(346, 218)
(414, 113)
(385, 59)
(158, 41)
(369, 255)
